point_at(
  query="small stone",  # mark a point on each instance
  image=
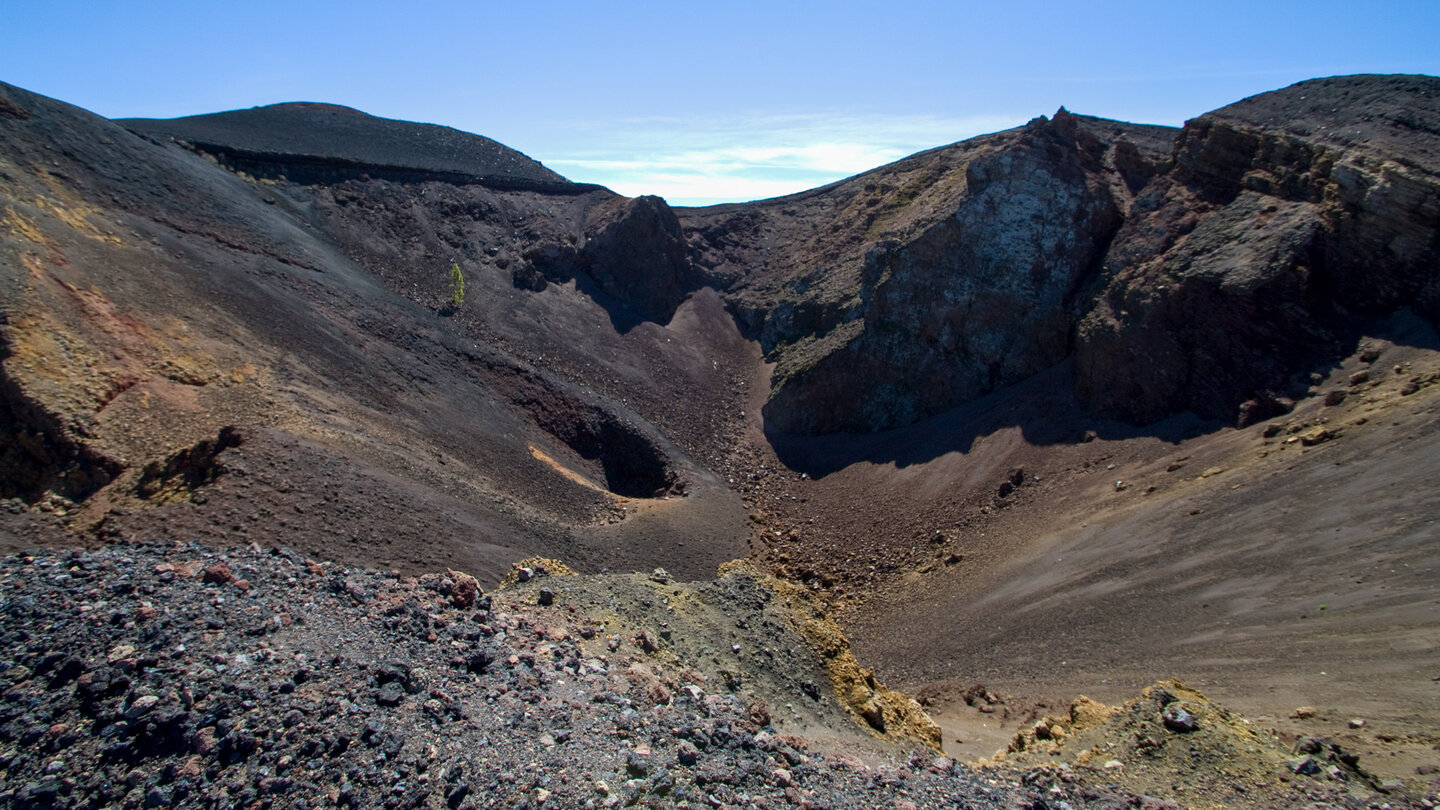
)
(120, 652)
(1113, 764)
(1302, 713)
(141, 706)
(687, 754)
(647, 641)
(1356, 722)
(874, 714)
(782, 778)
(1179, 720)
(547, 597)
(466, 589)
(391, 694)
(218, 574)
(660, 575)
(40, 794)
(205, 742)
(194, 766)
(1304, 766)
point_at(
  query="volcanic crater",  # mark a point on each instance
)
(1070, 408)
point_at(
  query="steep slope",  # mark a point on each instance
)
(929, 282)
(153, 299)
(1288, 223)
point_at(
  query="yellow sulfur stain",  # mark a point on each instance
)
(33, 264)
(25, 228)
(870, 703)
(547, 459)
(77, 217)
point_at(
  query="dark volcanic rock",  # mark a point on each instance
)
(975, 301)
(1191, 274)
(635, 251)
(1287, 221)
(211, 719)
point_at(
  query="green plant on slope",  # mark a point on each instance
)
(457, 286)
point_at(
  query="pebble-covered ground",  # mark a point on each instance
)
(176, 676)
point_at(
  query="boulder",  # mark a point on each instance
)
(634, 250)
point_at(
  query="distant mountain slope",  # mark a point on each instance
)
(333, 135)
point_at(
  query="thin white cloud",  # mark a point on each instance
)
(699, 161)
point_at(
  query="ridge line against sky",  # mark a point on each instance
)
(706, 102)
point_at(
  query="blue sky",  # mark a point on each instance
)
(703, 102)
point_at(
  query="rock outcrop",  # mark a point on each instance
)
(1195, 271)
(1266, 247)
(635, 251)
(971, 302)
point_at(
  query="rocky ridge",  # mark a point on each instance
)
(1264, 248)
(1190, 270)
(178, 676)
(311, 141)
